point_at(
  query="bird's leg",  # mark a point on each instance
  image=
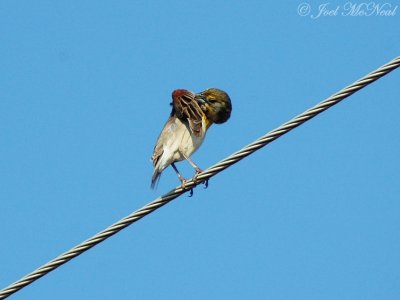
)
(198, 171)
(182, 179)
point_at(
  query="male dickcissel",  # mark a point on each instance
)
(192, 114)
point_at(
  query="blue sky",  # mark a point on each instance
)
(85, 91)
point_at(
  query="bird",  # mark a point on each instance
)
(191, 116)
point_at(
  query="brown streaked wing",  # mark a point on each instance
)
(188, 110)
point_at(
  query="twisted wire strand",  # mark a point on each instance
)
(202, 177)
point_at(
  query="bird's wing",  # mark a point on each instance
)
(188, 110)
(158, 151)
(165, 135)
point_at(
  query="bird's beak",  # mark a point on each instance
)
(200, 99)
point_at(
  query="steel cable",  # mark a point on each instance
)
(204, 176)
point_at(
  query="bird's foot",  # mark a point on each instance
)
(198, 172)
(183, 180)
(205, 184)
(183, 185)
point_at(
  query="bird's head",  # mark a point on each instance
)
(215, 104)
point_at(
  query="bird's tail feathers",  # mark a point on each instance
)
(155, 178)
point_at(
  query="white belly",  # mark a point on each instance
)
(182, 143)
(175, 143)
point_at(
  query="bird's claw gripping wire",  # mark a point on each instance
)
(183, 180)
(198, 172)
(205, 184)
(184, 187)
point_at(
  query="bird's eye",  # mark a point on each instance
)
(212, 100)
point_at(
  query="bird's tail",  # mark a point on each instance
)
(155, 178)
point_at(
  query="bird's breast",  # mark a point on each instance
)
(182, 142)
